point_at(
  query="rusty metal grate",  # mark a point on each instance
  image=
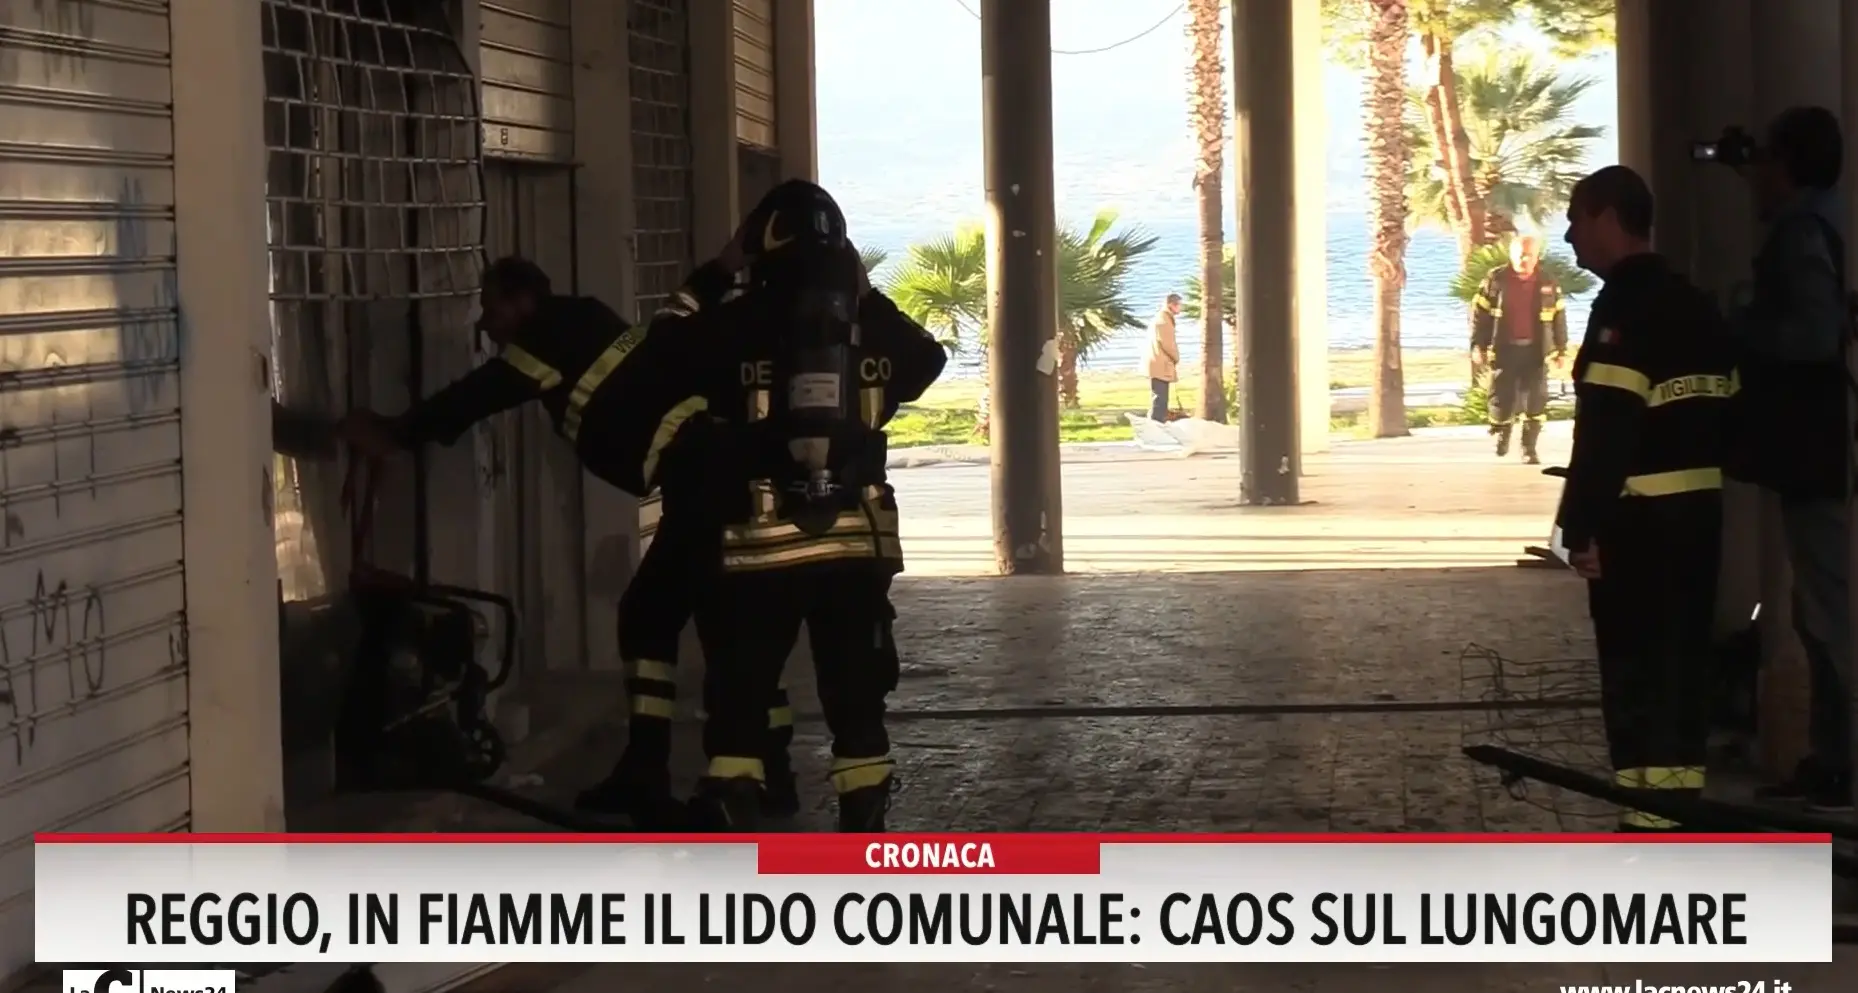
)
(375, 219)
(662, 182)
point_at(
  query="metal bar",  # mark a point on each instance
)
(1022, 285)
(1263, 87)
(1712, 815)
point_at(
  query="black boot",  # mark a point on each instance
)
(862, 810)
(781, 798)
(1502, 431)
(729, 806)
(638, 791)
(1531, 431)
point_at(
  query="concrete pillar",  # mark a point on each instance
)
(715, 210)
(1796, 61)
(796, 116)
(1265, 194)
(1022, 285)
(1312, 234)
(230, 548)
(603, 259)
(1654, 118)
(1848, 44)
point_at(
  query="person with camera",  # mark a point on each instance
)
(1791, 432)
(1641, 512)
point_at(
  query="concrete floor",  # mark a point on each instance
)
(1438, 500)
(1368, 597)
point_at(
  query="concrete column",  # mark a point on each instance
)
(796, 115)
(1654, 116)
(1796, 61)
(1265, 194)
(1022, 284)
(1848, 44)
(715, 207)
(230, 547)
(603, 259)
(1312, 234)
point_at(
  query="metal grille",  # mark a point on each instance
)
(660, 47)
(375, 222)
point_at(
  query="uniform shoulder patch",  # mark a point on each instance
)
(1607, 336)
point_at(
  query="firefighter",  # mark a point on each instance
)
(657, 605)
(1641, 513)
(775, 575)
(624, 397)
(1519, 324)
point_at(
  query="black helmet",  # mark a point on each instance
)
(795, 212)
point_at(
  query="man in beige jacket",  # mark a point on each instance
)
(1164, 357)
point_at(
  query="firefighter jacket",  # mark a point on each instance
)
(1545, 322)
(1653, 381)
(616, 392)
(896, 361)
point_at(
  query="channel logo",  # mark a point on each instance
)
(150, 981)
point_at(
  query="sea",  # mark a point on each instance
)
(1430, 316)
(899, 141)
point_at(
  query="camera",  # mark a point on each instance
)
(1735, 148)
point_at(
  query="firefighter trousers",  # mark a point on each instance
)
(653, 611)
(1518, 389)
(749, 623)
(1653, 611)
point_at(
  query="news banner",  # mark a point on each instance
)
(159, 899)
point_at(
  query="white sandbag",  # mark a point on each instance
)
(1199, 437)
(1153, 436)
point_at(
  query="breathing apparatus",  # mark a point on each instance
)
(809, 273)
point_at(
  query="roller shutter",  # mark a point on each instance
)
(93, 653)
(754, 73)
(659, 42)
(528, 72)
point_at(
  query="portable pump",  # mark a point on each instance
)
(814, 414)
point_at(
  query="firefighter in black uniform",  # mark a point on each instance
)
(1519, 324)
(1641, 513)
(777, 571)
(680, 556)
(626, 399)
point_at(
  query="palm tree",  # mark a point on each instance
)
(873, 259)
(1206, 110)
(1093, 294)
(1388, 161)
(1228, 309)
(942, 284)
(1525, 153)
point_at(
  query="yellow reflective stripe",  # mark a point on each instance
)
(1547, 314)
(1686, 387)
(651, 706)
(732, 767)
(527, 364)
(871, 406)
(1618, 377)
(1501, 422)
(849, 523)
(816, 550)
(596, 374)
(780, 717)
(1481, 302)
(857, 774)
(667, 430)
(1656, 484)
(1640, 819)
(662, 672)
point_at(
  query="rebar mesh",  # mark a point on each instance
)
(659, 40)
(1547, 709)
(374, 200)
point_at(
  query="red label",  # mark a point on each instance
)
(928, 854)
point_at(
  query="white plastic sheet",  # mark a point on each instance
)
(1188, 436)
